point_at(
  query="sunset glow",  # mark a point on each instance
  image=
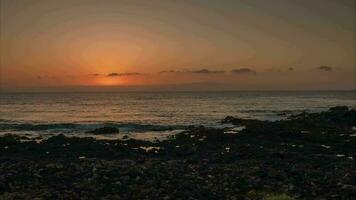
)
(63, 42)
(107, 81)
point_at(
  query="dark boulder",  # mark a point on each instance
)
(339, 109)
(104, 130)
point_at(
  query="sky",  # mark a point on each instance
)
(202, 44)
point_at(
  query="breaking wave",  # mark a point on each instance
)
(80, 127)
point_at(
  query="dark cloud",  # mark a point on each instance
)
(206, 71)
(290, 69)
(124, 74)
(325, 68)
(39, 77)
(201, 71)
(243, 71)
(167, 71)
(95, 74)
(113, 74)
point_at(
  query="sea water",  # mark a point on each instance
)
(152, 114)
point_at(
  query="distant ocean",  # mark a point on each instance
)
(147, 114)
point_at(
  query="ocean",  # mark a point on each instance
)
(151, 115)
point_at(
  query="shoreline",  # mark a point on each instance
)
(307, 156)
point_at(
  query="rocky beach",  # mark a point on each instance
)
(305, 156)
(177, 100)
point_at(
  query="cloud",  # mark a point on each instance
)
(325, 68)
(200, 71)
(39, 77)
(124, 74)
(243, 71)
(167, 71)
(290, 69)
(113, 74)
(206, 71)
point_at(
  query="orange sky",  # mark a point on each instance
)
(50, 43)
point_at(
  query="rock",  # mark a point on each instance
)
(124, 179)
(104, 130)
(296, 164)
(126, 163)
(339, 109)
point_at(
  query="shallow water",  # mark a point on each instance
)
(150, 113)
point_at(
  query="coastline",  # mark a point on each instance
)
(307, 156)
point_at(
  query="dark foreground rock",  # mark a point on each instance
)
(104, 130)
(308, 156)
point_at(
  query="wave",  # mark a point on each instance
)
(80, 127)
(35, 127)
(273, 111)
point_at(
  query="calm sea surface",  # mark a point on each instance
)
(151, 112)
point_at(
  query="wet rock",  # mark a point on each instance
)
(9, 139)
(339, 109)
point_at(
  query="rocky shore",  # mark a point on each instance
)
(307, 156)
